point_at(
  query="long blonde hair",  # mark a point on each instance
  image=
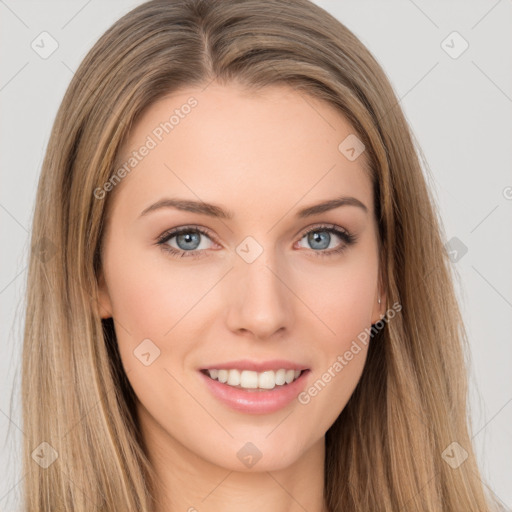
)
(385, 450)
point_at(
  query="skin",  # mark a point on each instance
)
(263, 156)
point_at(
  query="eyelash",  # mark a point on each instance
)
(162, 240)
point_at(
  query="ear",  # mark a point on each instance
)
(104, 303)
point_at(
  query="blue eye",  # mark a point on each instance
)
(319, 238)
(188, 241)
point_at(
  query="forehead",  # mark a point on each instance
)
(274, 147)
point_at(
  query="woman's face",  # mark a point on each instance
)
(252, 287)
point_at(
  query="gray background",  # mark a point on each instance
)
(459, 108)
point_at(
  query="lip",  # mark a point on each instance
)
(255, 366)
(256, 401)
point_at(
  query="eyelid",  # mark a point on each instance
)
(206, 231)
(186, 228)
(322, 225)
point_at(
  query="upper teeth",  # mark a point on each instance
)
(252, 380)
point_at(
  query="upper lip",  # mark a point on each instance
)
(257, 366)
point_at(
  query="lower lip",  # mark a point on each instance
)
(256, 401)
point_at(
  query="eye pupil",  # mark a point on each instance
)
(319, 236)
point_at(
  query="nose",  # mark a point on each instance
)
(259, 298)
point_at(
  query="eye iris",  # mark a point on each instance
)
(314, 237)
(187, 237)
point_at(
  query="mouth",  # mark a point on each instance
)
(249, 380)
(252, 392)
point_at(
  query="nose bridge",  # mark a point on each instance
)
(261, 302)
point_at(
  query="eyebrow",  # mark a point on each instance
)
(214, 210)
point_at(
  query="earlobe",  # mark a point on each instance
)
(104, 304)
(380, 305)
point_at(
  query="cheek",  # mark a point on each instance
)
(345, 312)
(342, 298)
(149, 296)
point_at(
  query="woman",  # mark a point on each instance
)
(305, 352)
